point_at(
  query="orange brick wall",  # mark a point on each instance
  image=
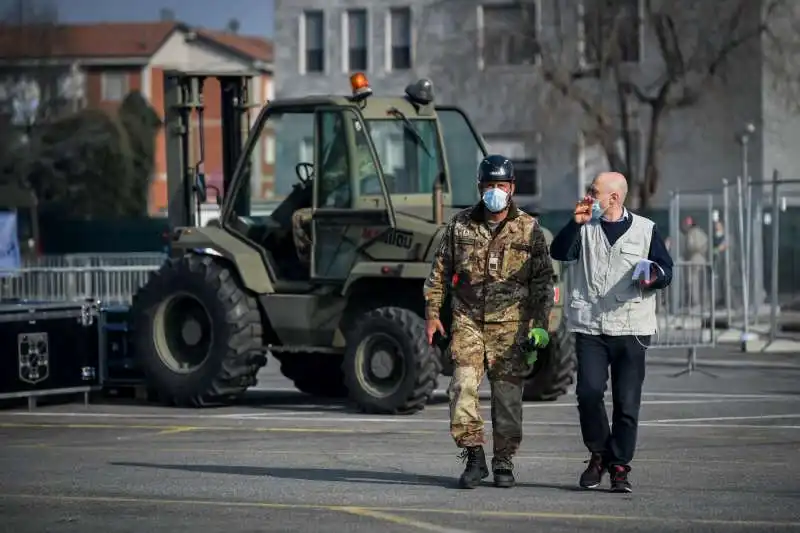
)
(94, 86)
(158, 187)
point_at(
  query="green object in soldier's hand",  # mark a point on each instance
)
(537, 338)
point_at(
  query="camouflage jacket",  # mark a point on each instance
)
(507, 277)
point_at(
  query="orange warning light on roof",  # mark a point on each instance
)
(360, 85)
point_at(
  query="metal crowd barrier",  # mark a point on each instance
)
(685, 311)
(143, 259)
(112, 285)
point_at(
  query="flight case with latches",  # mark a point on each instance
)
(48, 349)
(118, 366)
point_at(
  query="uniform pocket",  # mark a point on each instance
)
(630, 255)
(464, 249)
(517, 262)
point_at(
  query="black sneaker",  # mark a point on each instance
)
(593, 474)
(619, 478)
(476, 468)
(503, 470)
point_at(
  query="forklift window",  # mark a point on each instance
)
(292, 136)
(334, 188)
(410, 162)
(464, 152)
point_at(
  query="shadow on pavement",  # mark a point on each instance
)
(556, 486)
(290, 401)
(309, 474)
(298, 401)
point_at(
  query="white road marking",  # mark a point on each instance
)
(345, 422)
(723, 418)
(714, 426)
(644, 402)
(485, 394)
(412, 523)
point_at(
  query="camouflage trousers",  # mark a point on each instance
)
(493, 349)
(301, 233)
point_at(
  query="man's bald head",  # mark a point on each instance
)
(611, 182)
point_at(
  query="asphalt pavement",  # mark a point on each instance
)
(716, 454)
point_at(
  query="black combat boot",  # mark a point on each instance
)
(503, 470)
(476, 468)
(593, 474)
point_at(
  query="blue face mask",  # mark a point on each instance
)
(597, 211)
(495, 200)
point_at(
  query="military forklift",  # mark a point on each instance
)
(379, 176)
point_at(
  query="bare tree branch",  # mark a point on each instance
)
(590, 63)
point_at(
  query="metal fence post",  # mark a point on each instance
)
(675, 234)
(773, 310)
(744, 268)
(712, 275)
(726, 220)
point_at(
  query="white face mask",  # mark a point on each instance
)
(495, 200)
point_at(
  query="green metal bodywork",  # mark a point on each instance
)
(394, 235)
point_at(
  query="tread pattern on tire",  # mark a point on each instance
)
(554, 381)
(427, 363)
(238, 366)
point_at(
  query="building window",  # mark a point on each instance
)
(400, 38)
(357, 38)
(527, 177)
(520, 151)
(611, 31)
(314, 41)
(114, 86)
(509, 35)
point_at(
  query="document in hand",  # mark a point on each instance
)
(642, 270)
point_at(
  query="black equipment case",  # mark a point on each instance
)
(118, 366)
(48, 349)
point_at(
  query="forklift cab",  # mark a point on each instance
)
(348, 160)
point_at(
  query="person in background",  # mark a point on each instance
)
(695, 245)
(613, 318)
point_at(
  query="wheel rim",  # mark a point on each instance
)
(380, 367)
(182, 331)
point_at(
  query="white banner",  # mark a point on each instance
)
(9, 242)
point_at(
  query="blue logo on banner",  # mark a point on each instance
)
(9, 242)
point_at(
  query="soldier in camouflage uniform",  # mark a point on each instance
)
(494, 259)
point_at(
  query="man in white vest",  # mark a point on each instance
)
(617, 262)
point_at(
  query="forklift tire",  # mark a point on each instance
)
(318, 375)
(197, 335)
(389, 367)
(554, 371)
